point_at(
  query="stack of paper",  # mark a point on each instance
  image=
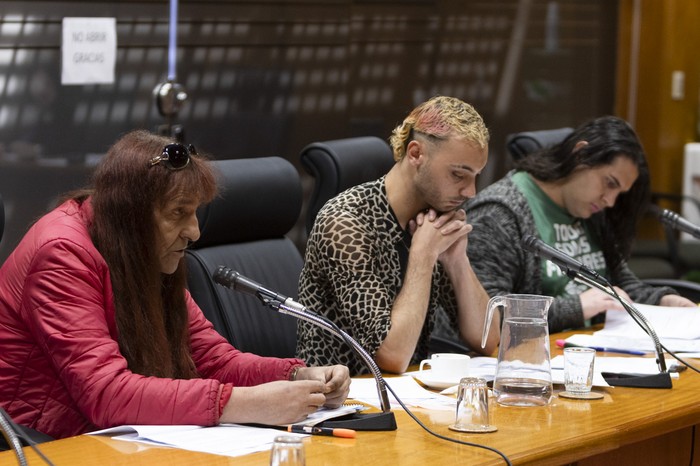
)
(225, 439)
(678, 329)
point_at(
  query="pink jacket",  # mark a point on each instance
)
(61, 371)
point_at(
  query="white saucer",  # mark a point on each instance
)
(429, 380)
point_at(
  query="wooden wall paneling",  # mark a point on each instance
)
(268, 77)
(668, 37)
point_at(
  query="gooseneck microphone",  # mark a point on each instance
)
(360, 421)
(565, 262)
(580, 273)
(675, 221)
(15, 436)
(234, 280)
(11, 437)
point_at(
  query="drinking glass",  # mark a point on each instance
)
(472, 413)
(287, 451)
(578, 370)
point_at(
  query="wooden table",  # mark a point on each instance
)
(628, 426)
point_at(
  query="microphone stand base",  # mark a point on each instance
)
(359, 421)
(660, 380)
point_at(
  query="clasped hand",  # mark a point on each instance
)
(447, 237)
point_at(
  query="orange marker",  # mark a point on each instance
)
(313, 430)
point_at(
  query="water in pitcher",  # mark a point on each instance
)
(522, 392)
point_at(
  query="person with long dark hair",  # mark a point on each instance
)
(97, 328)
(583, 196)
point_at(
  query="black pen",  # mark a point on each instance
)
(314, 430)
(677, 368)
(566, 344)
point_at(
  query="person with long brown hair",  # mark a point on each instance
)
(583, 196)
(97, 328)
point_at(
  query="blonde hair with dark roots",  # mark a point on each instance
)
(440, 118)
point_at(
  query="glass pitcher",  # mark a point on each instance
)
(523, 373)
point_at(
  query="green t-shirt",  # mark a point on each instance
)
(570, 235)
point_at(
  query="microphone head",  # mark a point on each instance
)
(667, 217)
(655, 210)
(529, 243)
(225, 276)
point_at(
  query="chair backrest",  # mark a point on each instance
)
(520, 144)
(341, 164)
(244, 229)
(2, 217)
(685, 288)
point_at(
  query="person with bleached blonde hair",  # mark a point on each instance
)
(383, 256)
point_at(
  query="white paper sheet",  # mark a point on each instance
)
(678, 328)
(406, 388)
(668, 322)
(88, 50)
(225, 439)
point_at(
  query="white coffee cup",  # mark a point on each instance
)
(447, 366)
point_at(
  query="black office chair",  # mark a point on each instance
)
(340, 164)
(685, 288)
(244, 229)
(2, 217)
(25, 435)
(519, 145)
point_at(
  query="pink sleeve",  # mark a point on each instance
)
(215, 358)
(69, 307)
(225, 390)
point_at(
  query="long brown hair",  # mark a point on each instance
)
(150, 306)
(608, 137)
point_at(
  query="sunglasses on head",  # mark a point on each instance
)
(174, 156)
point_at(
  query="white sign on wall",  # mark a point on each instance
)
(88, 50)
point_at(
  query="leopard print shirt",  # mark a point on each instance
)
(352, 275)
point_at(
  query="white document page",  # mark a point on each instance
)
(678, 328)
(668, 322)
(406, 388)
(225, 439)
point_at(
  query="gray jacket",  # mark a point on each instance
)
(501, 217)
